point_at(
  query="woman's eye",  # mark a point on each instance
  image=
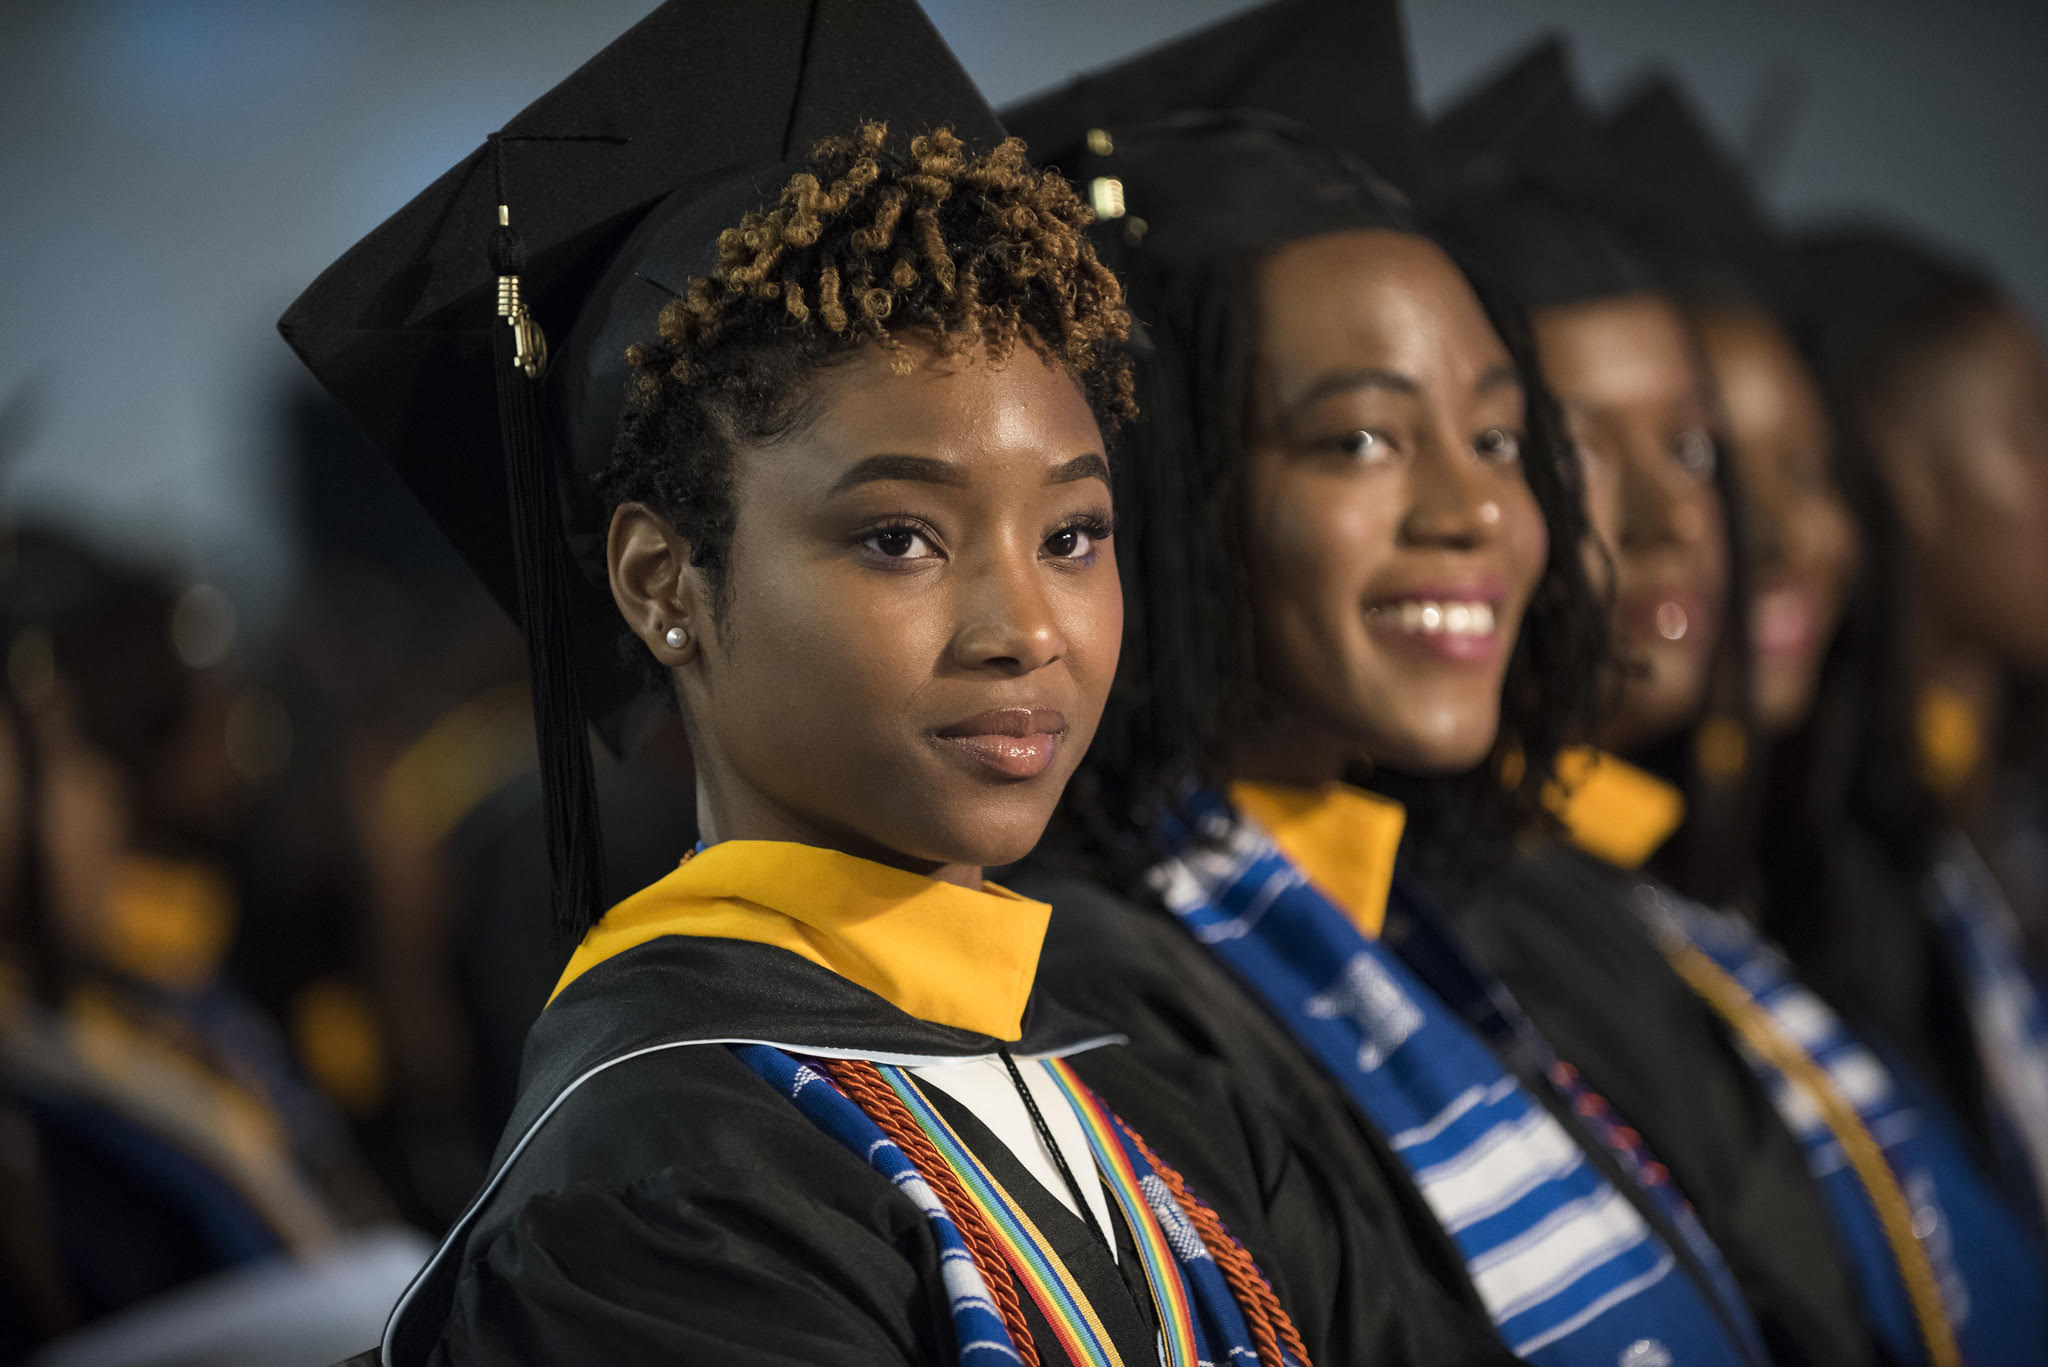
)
(1695, 453)
(1074, 543)
(1499, 446)
(898, 543)
(1362, 446)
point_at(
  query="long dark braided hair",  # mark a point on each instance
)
(1851, 774)
(1851, 827)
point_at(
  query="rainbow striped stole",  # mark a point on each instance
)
(982, 1339)
(1045, 1278)
(1193, 1303)
(1200, 1322)
(1159, 1227)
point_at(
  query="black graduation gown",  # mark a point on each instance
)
(673, 1207)
(506, 956)
(1880, 961)
(1559, 931)
(1132, 966)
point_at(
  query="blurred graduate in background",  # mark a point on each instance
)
(383, 860)
(158, 1132)
(1663, 316)
(1935, 933)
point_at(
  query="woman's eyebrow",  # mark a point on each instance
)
(1344, 381)
(922, 469)
(1089, 466)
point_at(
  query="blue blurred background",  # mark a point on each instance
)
(173, 171)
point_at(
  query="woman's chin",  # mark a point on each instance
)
(1435, 740)
(994, 840)
(1784, 699)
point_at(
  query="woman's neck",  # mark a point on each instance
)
(737, 811)
(1294, 752)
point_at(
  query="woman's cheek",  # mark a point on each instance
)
(1095, 629)
(1528, 539)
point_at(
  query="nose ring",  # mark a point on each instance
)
(1489, 513)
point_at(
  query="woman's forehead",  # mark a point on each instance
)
(940, 419)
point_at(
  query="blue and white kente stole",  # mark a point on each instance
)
(1571, 1274)
(1991, 1275)
(2008, 1011)
(1200, 1321)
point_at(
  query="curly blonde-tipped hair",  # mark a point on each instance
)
(866, 245)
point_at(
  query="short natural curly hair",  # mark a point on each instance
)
(867, 244)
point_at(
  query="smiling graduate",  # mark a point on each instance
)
(1534, 197)
(825, 445)
(1353, 529)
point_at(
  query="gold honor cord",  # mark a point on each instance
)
(1866, 1156)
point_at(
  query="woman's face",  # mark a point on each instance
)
(1803, 536)
(922, 615)
(1626, 373)
(1394, 541)
(1964, 445)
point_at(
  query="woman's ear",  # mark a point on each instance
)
(658, 591)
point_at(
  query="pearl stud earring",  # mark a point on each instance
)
(676, 637)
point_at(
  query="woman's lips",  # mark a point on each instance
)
(1783, 624)
(1014, 742)
(1453, 627)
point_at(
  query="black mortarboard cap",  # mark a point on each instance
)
(1873, 295)
(1272, 126)
(1339, 67)
(617, 183)
(1530, 192)
(1712, 237)
(1197, 187)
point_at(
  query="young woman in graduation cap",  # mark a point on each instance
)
(1853, 850)
(830, 433)
(1935, 1265)
(1353, 526)
(1941, 382)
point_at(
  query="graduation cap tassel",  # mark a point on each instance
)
(540, 553)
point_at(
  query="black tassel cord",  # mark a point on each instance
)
(546, 610)
(1052, 1147)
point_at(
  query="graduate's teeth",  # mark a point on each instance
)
(1429, 617)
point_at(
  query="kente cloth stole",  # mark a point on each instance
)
(2008, 1012)
(1570, 1272)
(1199, 1319)
(1989, 1273)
